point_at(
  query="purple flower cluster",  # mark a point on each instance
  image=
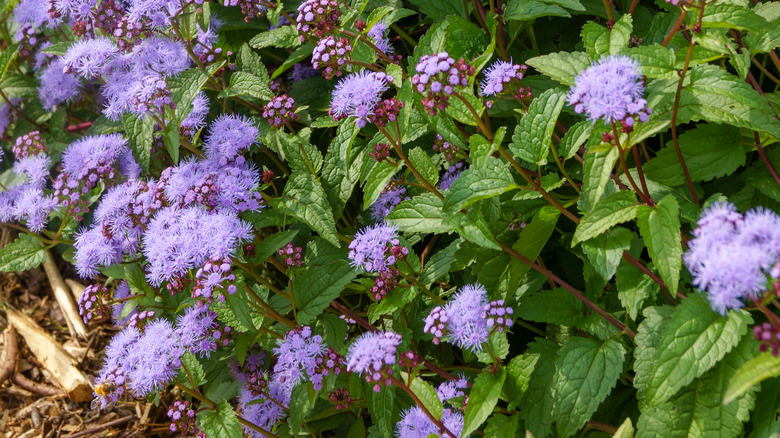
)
(199, 331)
(297, 356)
(372, 354)
(369, 251)
(384, 283)
(318, 18)
(448, 149)
(415, 424)
(731, 254)
(498, 74)
(93, 303)
(331, 56)
(452, 389)
(291, 255)
(453, 173)
(611, 89)
(183, 419)
(468, 318)
(357, 94)
(58, 87)
(196, 119)
(437, 77)
(391, 196)
(280, 111)
(377, 35)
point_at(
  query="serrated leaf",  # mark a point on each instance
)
(377, 180)
(660, 229)
(615, 208)
(600, 41)
(305, 199)
(532, 240)
(502, 426)
(596, 173)
(6, 57)
(561, 66)
(692, 342)
(22, 254)
(656, 60)
(731, 16)
(421, 214)
(316, 287)
(531, 140)
(191, 369)
(184, 87)
(438, 10)
(634, 287)
(282, 37)
(482, 399)
(524, 10)
(340, 171)
(756, 370)
(219, 423)
(586, 372)
(427, 395)
(300, 153)
(606, 250)
(479, 182)
(647, 340)
(423, 163)
(440, 263)
(381, 409)
(518, 378)
(247, 84)
(537, 405)
(575, 137)
(139, 134)
(709, 150)
(396, 299)
(299, 408)
(295, 57)
(272, 243)
(556, 306)
(58, 49)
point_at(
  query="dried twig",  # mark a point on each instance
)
(100, 427)
(54, 358)
(9, 355)
(35, 387)
(64, 298)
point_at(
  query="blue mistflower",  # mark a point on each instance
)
(357, 94)
(57, 87)
(498, 74)
(155, 359)
(369, 249)
(415, 424)
(387, 201)
(377, 34)
(372, 354)
(89, 58)
(230, 136)
(731, 254)
(610, 89)
(298, 353)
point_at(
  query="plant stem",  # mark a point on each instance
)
(674, 124)
(765, 159)
(409, 164)
(269, 310)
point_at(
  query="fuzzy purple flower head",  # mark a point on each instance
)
(229, 137)
(377, 34)
(357, 94)
(415, 424)
(390, 197)
(437, 77)
(372, 354)
(89, 58)
(155, 359)
(499, 74)
(196, 119)
(611, 89)
(57, 87)
(369, 250)
(731, 254)
(298, 355)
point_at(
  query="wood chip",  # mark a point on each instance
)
(52, 356)
(64, 297)
(76, 288)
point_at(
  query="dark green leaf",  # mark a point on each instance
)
(295, 57)
(381, 409)
(247, 84)
(660, 229)
(438, 10)
(317, 286)
(531, 141)
(537, 405)
(561, 66)
(533, 238)
(423, 163)
(139, 134)
(305, 199)
(733, 16)
(421, 214)
(283, 37)
(615, 208)
(756, 370)
(600, 41)
(524, 10)
(575, 137)
(272, 243)
(476, 183)
(606, 250)
(439, 264)
(598, 166)
(634, 287)
(22, 254)
(482, 400)
(219, 423)
(192, 371)
(557, 306)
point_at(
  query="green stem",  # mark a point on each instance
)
(268, 309)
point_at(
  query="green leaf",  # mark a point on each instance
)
(732, 16)
(537, 405)
(709, 150)
(237, 303)
(524, 10)
(377, 179)
(427, 395)
(340, 172)
(58, 49)
(764, 419)
(305, 199)
(586, 372)
(660, 229)
(600, 41)
(219, 423)
(317, 286)
(139, 134)
(518, 378)
(556, 306)
(479, 182)
(575, 137)
(533, 238)
(756, 370)
(6, 57)
(656, 60)
(596, 174)
(502, 426)
(421, 214)
(615, 208)
(22, 254)
(184, 87)
(295, 57)
(300, 153)
(626, 430)
(531, 141)
(396, 299)
(634, 287)
(299, 408)
(423, 163)
(692, 342)
(381, 409)
(606, 250)
(194, 371)
(247, 84)
(647, 340)
(438, 10)
(482, 399)
(282, 37)
(561, 66)
(440, 263)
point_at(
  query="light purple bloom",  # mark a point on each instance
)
(731, 255)
(6, 115)
(300, 72)
(93, 250)
(33, 207)
(610, 89)
(229, 137)
(453, 173)
(371, 356)
(35, 168)
(36, 13)
(265, 413)
(77, 9)
(196, 119)
(498, 74)
(99, 156)
(369, 249)
(387, 201)
(195, 328)
(415, 424)
(357, 94)
(57, 87)
(179, 239)
(89, 58)
(377, 34)
(451, 389)
(155, 358)
(298, 353)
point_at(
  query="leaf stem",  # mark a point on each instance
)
(675, 109)
(409, 164)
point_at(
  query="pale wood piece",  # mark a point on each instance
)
(63, 296)
(76, 288)
(60, 364)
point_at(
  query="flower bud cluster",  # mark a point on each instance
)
(183, 418)
(318, 18)
(331, 56)
(280, 111)
(384, 283)
(29, 145)
(381, 152)
(497, 315)
(446, 148)
(437, 77)
(386, 111)
(769, 337)
(291, 255)
(213, 279)
(93, 303)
